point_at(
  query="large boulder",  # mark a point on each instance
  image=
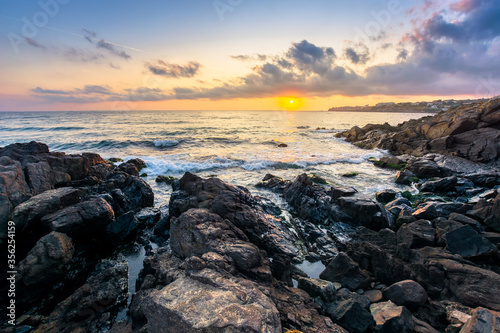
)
(406, 293)
(46, 262)
(40, 177)
(13, 184)
(88, 218)
(31, 211)
(318, 288)
(211, 302)
(344, 270)
(416, 234)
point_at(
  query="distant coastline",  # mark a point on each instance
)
(415, 107)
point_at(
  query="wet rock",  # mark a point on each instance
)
(466, 242)
(162, 228)
(344, 270)
(391, 162)
(482, 320)
(88, 218)
(424, 168)
(228, 304)
(398, 202)
(281, 267)
(139, 193)
(364, 212)
(46, 262)
(386, 196)
(406, 293)
(406, 177)
(441, 185)
(391, 318)
(148, 216)
(122, 227)
(273, 182)
(31, 211)
(84, 311)
(416, 234)
(351, 316)
(466, 220)
(165, 267)
(493, 220)
(318, 288)
(342, 191)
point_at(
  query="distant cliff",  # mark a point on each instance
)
(470, 131)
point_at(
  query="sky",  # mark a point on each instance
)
(244, 54)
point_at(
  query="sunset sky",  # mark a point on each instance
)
(244, 54)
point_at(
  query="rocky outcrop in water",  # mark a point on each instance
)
(469, 131)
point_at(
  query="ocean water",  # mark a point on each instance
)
(237, 146)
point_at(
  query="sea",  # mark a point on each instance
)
(239, 147)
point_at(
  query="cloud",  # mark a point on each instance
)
(256, 57)
(34, 43)
(175, 71)
(357, 53)
(114, 49)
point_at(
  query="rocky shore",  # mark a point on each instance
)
(423, 260)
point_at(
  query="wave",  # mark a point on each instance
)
(166, 143)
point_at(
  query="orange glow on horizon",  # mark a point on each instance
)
(290, 103)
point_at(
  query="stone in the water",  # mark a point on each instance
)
(344, 270)
(386, 196)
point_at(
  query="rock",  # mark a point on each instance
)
(427, 211)
(211, 302)
(88, 307)
(344, 270)
(374, 296)
(416, 234)
(466, 242)
(281, 267)
(139, 193)
(122, 227)
(466, 220)
(162, 228)
(424, 168)
(165, 179)
(40, 177)
(365, 212)
(386, 196)
(482, 320)
(406, 293)
(441, 185)
(31, 211)
(390, 162)
(46, 262)
(391, 318)
(165, 267)
(148, 216)
(493, 220)
(351, 316)
(12, 181)
(88, 218)
(344, 294)
(342, 191)
(318, 288)
(398, 202)
(406, 177)
(198, 231)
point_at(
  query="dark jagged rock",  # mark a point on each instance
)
(440, 185)
(466, 242)
(344, 270)
(318, 288)
(13, 186)
(46, 262)
(406, 177)
(386, 196)
(85, 310)
(88, 218)
(315, 203)
(27, 214)
(342, 191)
(351, 315)
(417, 234)
(406, 293)
(391, 318)
(122, 227)
(482, 320)
(469, 131)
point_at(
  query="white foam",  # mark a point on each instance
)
(166, 143)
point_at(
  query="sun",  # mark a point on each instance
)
(290, 102)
